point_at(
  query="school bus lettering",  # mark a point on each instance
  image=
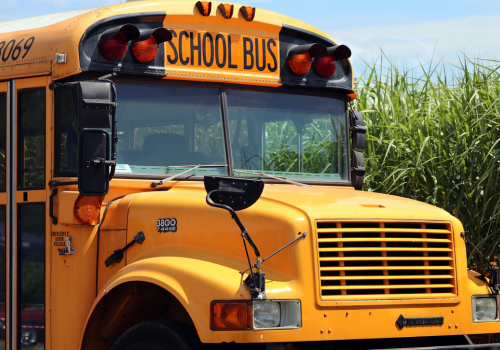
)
(225, 50)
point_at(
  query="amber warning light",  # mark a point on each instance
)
(226, 10)
(87, 209)
(231, 315)
(204, 7)
(300, 57)
(146, 48)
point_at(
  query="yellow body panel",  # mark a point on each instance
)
(201, 262)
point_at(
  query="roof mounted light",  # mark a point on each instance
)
(300, 57)
(146, 49)
(205, 7)
(114, 41)
(341, 52)
(248, 12)
(226, 10)
(326, 65)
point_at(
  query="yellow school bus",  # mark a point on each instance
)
(186, 175)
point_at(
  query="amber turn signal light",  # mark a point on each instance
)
(87, 209)
(205, 7)
(226, 10)
(248, 12)
(230, 315)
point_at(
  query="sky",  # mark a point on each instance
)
(409, 32)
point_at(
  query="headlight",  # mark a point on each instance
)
(272, 314)
(266, 314)
(484, 308)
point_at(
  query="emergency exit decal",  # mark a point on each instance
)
(166, 225)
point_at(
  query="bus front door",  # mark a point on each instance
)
(24, 205)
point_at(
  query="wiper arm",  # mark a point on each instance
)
(192, 167)
(281, 178)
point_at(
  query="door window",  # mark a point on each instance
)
(31, 139)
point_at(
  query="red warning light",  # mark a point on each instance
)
(116, 47)
(325, 66)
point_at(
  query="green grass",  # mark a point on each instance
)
(434, 136)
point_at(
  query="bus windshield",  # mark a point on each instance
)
(165, 129)
(295, 136)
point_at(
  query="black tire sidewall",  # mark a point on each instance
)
(167, 335)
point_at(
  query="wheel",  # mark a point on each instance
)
(28, 336)
(159, 335)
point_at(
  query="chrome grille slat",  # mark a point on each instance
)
(385, 260)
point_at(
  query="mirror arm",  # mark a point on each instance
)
(237, 220)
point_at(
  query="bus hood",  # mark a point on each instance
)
(322, 202)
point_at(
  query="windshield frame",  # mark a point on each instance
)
(330, 93)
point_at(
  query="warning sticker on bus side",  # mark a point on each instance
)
(223, 51)
(59, 240)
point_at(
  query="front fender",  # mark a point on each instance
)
(195, 283)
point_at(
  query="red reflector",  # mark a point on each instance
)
(300, 64)
(87, 209)
(116, 47)
(146, 50)
(231, 315)
(325, 66)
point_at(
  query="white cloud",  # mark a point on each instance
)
(476, 36)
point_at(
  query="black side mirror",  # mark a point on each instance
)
(236, 193)
(93, 155)
(94, 104)
(358, 130)
(96, 109)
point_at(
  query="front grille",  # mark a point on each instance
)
(385, 260)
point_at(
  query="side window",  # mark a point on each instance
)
(66, 133)
(31, 139)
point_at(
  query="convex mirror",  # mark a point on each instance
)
(236, 193)
(93, 152)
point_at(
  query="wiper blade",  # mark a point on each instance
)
(281, 178)
(192, 167)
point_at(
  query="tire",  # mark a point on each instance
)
(159, 335)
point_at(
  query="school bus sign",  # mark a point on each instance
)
(216, 54)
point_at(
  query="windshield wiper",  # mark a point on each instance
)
(281, 178)
(192, 167)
